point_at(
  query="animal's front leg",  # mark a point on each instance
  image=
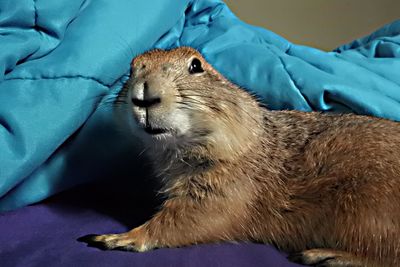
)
(327, 257)
(133, 240)
(180, 222)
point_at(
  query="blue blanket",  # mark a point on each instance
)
(62, 62)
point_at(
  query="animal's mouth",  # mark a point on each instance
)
(154, 131)
(153, 123)
(142, 117)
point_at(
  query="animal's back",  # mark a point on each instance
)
(342, 173)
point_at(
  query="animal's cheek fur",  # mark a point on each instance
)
(222, 137)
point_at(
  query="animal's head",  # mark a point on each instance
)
(184, 105)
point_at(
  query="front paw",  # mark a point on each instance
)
(326, 258)
(130, 241)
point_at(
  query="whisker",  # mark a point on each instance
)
(189, 98)
(141, 153)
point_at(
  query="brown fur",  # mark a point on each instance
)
(324, 187)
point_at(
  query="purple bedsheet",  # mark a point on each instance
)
(45, 234)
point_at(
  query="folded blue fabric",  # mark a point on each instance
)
(62, 62)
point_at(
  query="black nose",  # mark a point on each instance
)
(147, 102)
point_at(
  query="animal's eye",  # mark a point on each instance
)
(195, 66)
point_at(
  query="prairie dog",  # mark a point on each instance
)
(324, 188)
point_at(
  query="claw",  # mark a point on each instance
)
(297, 258)
(110, 242)
(87, 238)
(92, 241)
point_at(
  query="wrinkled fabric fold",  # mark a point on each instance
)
(63, 62)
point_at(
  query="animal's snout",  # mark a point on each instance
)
(145, 97)
(146, 103)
